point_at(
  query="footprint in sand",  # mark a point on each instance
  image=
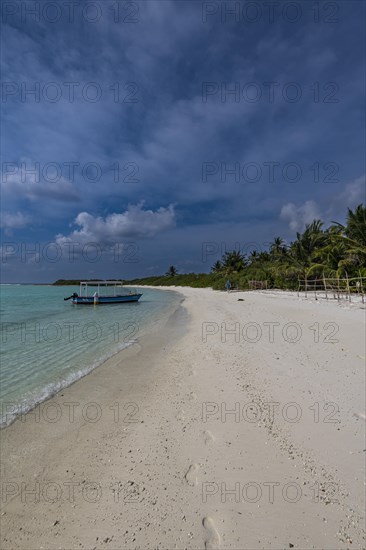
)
(191, 475)
(212, 539)
(208, 437)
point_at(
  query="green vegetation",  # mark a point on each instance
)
(196, 280)
(76, 282)
(337, 251)
(172, 271)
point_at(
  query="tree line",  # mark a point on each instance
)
(335, 251)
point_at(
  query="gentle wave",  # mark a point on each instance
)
(8, 416)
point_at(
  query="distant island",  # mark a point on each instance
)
(70, 282)
(198, 280)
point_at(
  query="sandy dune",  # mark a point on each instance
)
(238, 424)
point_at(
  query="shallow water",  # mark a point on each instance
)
(48, 343)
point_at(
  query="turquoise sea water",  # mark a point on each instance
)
(48, 343)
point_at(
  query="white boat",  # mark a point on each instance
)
(103, 294)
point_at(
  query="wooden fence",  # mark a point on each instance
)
(257, 285)
(336, 288)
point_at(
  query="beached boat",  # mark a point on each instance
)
(107, 292)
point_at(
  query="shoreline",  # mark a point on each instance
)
(171, 435)
(20, 410)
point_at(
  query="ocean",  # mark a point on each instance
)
(47, 343)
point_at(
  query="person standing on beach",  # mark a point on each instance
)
(228, 285)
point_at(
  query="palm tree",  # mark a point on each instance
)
(264, 256)
(172, 271)
(233, 261)
(217, 267)
(253, 257)
(356, 225)
(302, 251)
(277, 247)
(338, 251)
(329, 259)
(353, 236)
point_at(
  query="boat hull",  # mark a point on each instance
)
(90, 300)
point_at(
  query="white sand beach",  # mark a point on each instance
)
(240, 424)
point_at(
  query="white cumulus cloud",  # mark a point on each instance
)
(134, 223)
(14, 221)
(298, 216)
(354, 193)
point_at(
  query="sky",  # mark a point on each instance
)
(137, 135)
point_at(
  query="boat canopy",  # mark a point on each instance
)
(92, 283)
(84, 285)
